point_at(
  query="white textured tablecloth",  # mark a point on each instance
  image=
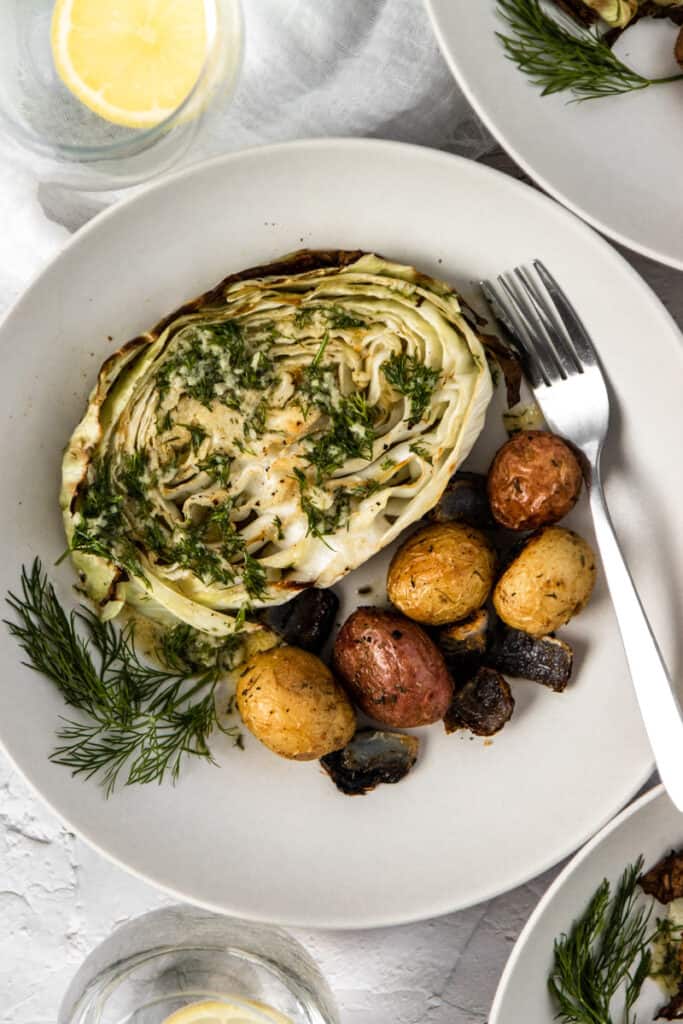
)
(313, 67)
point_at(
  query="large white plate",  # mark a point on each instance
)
(615, 161)
(651, 826)
(259, 836)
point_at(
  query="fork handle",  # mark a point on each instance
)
(659, 706)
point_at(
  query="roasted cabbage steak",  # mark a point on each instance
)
(270, 436)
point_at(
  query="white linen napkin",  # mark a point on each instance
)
(311, 68)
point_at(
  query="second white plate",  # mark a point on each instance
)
(615, 161)
(651, 826)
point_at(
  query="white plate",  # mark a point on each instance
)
(259, 836)
(615, 161)
(651, 826)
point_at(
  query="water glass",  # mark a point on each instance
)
(44, 124)
(171, 958)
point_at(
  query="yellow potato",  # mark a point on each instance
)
(291, 702)
(548, 583)
(442, 573)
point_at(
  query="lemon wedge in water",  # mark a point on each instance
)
(133, 62)
(213, 1012)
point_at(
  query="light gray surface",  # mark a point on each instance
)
(58, 898)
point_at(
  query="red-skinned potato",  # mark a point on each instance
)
(534, 480)
(392, 670)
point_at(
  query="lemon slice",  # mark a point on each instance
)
(133, 62)
(213, 1012)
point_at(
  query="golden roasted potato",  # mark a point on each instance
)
(442, 573)
(291, 702)
(534, 480)
(548, 583)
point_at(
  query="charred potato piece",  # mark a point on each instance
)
(370, 759)
(673, 1009)
(291, 702)
(306, 621)
(483, 705)
(391, 668)
(664, 881)
(549, 582)
(466, 637)
(578, 10)
(534, 480)
(464, 644)
(441, 574)
(545, 660)
(465, 500)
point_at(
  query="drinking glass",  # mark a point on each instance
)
(168, 959)
(48, 127)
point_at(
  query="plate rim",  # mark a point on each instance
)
(578, 860)
(445, 905)
(500, 135)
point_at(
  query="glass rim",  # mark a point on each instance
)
(185, 928)
(143, 138)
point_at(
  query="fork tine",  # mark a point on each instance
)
(549, 324)
(499, 310)
(583, 348)
(545, 356)
(505, 313)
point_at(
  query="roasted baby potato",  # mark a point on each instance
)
(306, 621)
(463, 644)
(548, 583)
(371, 758)
(483, 705)
(547, 659)
(465, 500)
(392, 669)
(534, 480)
(291, 702)
(441, 574)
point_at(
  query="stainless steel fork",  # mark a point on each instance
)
(563, 369)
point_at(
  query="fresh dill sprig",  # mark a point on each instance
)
(140, 722)
(185, 651)
(335, 316)
(323, 521)
(216, 362)
(303, 317)
(365, 489)
(254, 579)
(422, 452)
(413, 379)
(197, 434)
(277, 523)
(607, 950)
(340, 319)
(233, 547)
(101, 529)
(351, 435)
(317, 358)
(218, 466)
(190, 551)
(255, 422)
(558, 58)
(86, 540)
(118, 549)
(134, 478)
